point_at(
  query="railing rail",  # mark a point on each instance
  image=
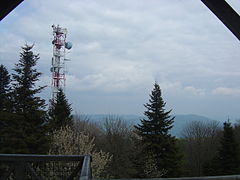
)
(86, 172)
(227, 177)
(41, 167)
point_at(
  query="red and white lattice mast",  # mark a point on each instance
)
(58, 60)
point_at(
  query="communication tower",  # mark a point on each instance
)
(58, 68)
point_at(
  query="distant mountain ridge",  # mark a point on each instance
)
(180, 121)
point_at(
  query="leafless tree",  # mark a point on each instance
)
(201, 141)
(84, 124)
(117, 141)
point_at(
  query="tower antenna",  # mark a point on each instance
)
(58, 68)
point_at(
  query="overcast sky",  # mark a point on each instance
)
(121, 47)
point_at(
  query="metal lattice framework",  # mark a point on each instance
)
(58, 60)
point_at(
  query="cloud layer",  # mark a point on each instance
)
(121, 47)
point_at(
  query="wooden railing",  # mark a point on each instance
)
(42, 167)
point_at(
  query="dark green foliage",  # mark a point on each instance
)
(228, 152)
(226, 161)
(12, 134)
(4, 104)
(25, 126)
(60, 112)
(138, 158)
(25, 79)
(9, 128)
(4, 88)
(154, 135)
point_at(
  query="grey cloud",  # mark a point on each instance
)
(123, 46)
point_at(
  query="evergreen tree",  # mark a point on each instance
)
(12, 139)
(29, 108)
(5, 114)
(154, 135)
(228, 152)
(226, 161)
(4, 88)
(60, 112)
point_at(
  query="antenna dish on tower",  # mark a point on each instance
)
(68, 45)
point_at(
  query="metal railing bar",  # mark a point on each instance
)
(226, 177)
(86, 168)
(31, 157)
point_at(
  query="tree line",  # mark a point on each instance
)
(25, 121)
(145, 150)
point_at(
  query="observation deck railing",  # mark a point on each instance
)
(44, 167)
(226, 177)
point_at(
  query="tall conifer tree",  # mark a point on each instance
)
(154, 135)
(10, 133)
(4, 88)
(228, 152)
(60, 112)
(29, 107)
(226, 161)
(5, 112)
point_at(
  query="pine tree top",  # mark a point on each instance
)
(25, 78)
(158, 121)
